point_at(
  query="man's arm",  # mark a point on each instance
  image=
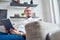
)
(17, 32)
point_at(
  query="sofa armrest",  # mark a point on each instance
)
(55, 35)
(33, 31)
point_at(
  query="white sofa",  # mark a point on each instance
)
(38, 30)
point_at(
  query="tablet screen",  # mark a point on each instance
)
(7, 24)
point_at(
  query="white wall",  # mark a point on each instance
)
(59, 10)
(46, 11)
(50, 11)
(12, 10)
(56, 11)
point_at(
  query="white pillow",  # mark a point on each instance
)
(2, 29)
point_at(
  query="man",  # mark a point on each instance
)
(27, 13)
(20, 34)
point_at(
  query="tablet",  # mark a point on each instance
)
(7, 24)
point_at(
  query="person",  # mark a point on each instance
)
(28, 14)
(14, 33)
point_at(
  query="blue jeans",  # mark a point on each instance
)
(6, 36)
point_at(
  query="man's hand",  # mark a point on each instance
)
(13, 31)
